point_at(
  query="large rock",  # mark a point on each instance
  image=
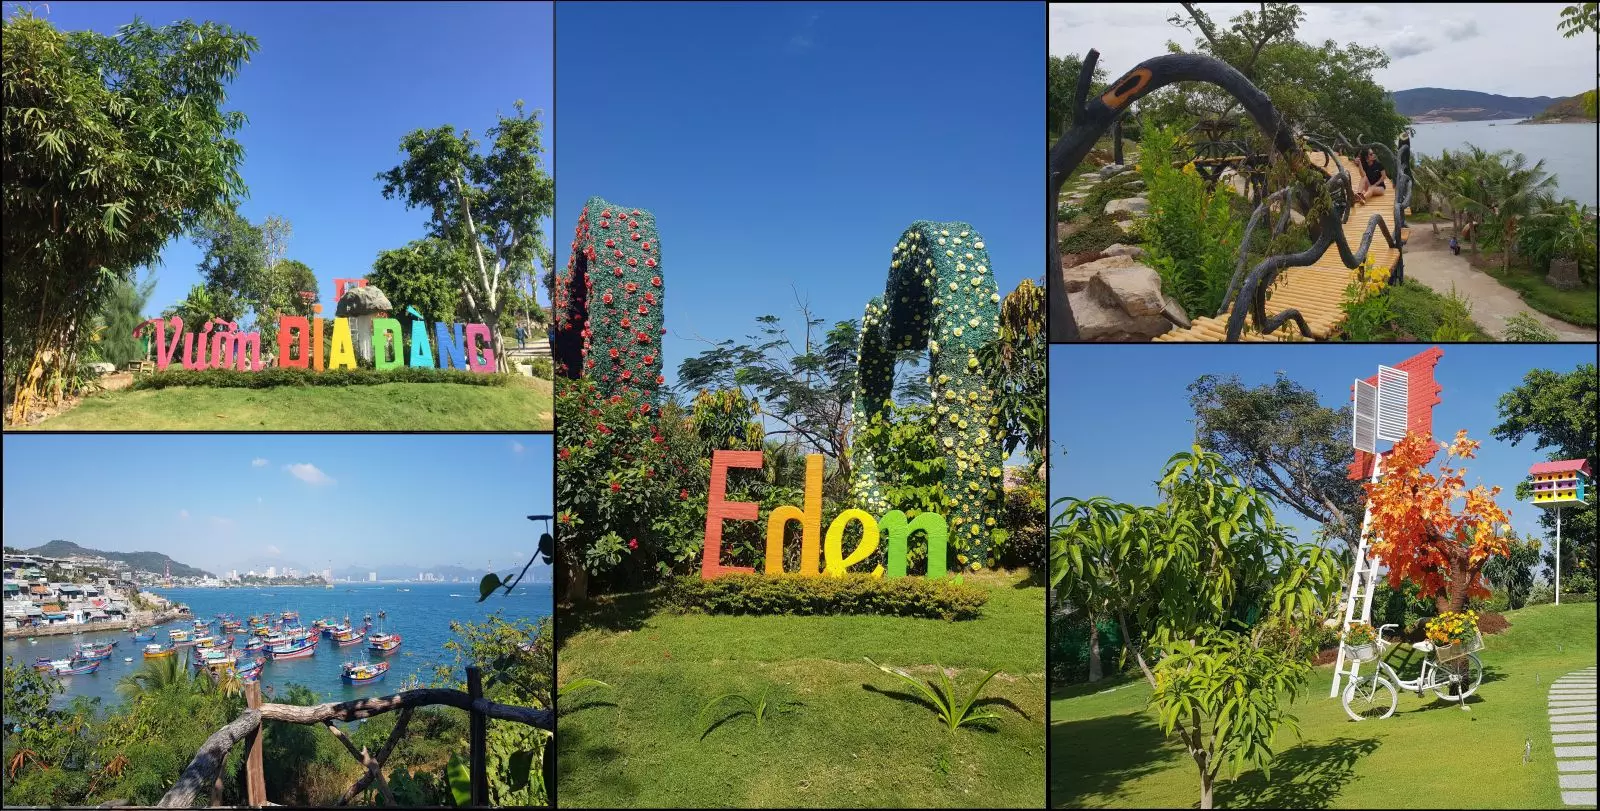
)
(1112, 169)
(1119, 249)
(1077, 278)
(1134, 288)
(1100, 321)
(1125, 225)
(1136, 185)
(1564, 275)
(102, 368)
(1132, 205)
(1234, 181)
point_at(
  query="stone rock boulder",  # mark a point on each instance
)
(102, 368)
(1564, 275)
(1132, 205)
(1076, 279)
(1119, 249)
(1112, 169)
(1119, 299)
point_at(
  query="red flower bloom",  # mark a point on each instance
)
(605, 214)
(635, 236)
(658, 439)
(655, 280)
(631, 287)
(645, 245)
(613, 353)
(618, 271)
(650, 473)
(611, 243)
(606, 298)
(683, 495)
(626, 375)
(615, 487)
(643, 309)
(633, 223)
(602, 428)
(632, 262)
(650, 298)
(650, 262)
(633, 543)
(649, 359)
(566, 453)
(644, 408)
(624, 323)
(660, 380)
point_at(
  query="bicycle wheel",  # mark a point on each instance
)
(1458, 678)
(1370, 697)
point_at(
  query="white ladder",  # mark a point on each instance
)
(1363, 582)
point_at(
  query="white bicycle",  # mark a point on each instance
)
(1376, 696)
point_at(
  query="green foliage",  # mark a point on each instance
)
(1101, 233)
(909, 462)
(288, 376)
(1558, 410)
(1191, 233)
(1116, 187)
(1578, 18)
(953, 711)
(1524, 328)
(1513, 572)
(424, 275)
(517, 657)
(1408, 312)
(795, 594)
(1285, 443)
(1401, 606)
(1564, 230)
(1061, 83)
(492, 203)
(543, 368)
(940, 295)
(118, 318)
(1016, 362)
(608, 301)
(759, 709)
(112, 146)
(1023, 516)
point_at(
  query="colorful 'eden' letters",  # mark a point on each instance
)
(831, 560)
(461, 346)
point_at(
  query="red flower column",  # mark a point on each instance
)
(608, 301)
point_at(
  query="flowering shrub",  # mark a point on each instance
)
(851, 594)
(1452, 627)
(1360, 633)
(941, 295)
(607, 303)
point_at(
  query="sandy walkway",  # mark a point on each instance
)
(1492, 303)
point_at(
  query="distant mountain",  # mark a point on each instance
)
(1430, 104)
(136, 561)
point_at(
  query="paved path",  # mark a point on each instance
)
(1572, 732)
(1432, 264)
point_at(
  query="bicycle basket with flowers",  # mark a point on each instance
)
(1455, 634)
(1361, 642)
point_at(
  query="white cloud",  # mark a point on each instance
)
(309, 473)
(258, 462)
(516, 447)
(183, 514)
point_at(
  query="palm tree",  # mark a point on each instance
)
(1517, 189)
(157, 675)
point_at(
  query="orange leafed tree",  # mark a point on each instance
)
(1429, 528)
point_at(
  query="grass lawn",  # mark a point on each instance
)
(523, 406)
(858, 737)
(1572, 306)
(1107, 751)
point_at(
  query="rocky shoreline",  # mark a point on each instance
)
(142, 619)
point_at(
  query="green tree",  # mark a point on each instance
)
(1285, 444)
(1061, 83)
(1017, 361)
(425, 275)
(121, 314)
(1225, 572)
(490, 203)
(1514, 571)
(1558, 411)
(112, 146)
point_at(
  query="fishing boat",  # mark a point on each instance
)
(95, 652)
(352, 638)
(138, 637)
(247, 668)
(291, 616)
(204, 641)
(177, 635)
(294, 650)
(363, 672)
(213, 658)
(52, 664)
(154, 651)
(231, 625)
(384, 644)
(76, 668)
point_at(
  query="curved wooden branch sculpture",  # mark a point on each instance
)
(940, 296)
(1248, 299)
(608, 316)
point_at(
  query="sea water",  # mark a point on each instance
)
(1568, 150)
(421, 616)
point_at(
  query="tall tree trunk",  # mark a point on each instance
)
(1206, 781)
(1095, 673)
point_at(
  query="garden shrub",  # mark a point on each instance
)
(1421, 314)
(608, 301)
(1098, 235)
(1113, 188)
(1069, 648)
(1190, 231)
(806, 595)
(543, 368)
(290, 376)
(1524, 328)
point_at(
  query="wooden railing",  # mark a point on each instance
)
(206, 768)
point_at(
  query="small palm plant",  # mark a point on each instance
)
(943, 696)
(759, 709)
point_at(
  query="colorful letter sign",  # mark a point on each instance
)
(834, 560)
(300, 344)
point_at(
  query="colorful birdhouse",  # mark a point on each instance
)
(1558, 484)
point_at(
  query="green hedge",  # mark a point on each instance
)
(851, 594)
(284, 376)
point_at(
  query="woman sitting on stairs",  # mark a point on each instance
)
(1376, 178)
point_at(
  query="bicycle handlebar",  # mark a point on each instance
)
(1387, 625)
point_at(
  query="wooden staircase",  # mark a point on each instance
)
(1317, 291)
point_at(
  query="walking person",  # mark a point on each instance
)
(522, 337)
(1455, 247)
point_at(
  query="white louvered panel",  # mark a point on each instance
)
(1365, 430)
(1392, 396)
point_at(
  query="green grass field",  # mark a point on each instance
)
(1107, 751)
(523, 406)
(857, 738)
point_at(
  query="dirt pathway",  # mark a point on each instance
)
(1432, 264)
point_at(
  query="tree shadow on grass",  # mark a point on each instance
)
(574, 752)
(615, 613)
(1306, 776)
(1091, 760)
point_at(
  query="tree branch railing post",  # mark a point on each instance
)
(478, 733)
(255, 780)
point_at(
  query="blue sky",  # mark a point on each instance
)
(330, 93)
(244, 500)
(785, 147)
(1119, 412)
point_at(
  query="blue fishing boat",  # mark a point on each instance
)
(76, 668)
(294, 650)
(363, 672)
